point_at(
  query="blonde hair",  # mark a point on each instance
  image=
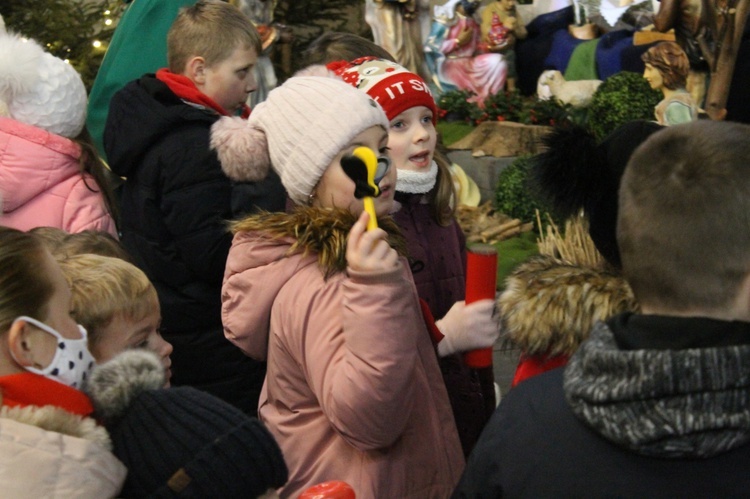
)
(24, 287)
(211, 29)
(103, 288)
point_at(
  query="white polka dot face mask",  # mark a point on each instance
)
(72, 361)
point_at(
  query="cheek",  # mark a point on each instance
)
(398, 149)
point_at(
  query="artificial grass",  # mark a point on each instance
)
(453, 131)
(513, 251)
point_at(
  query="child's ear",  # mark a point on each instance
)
(196, 70)
(21, 342)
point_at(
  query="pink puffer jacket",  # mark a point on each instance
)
(41, 185)
(353, 390)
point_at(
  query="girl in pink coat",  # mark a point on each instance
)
(50, 175)
(353, 390)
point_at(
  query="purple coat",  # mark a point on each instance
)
(437, 257)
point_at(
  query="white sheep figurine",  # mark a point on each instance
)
(552, 83)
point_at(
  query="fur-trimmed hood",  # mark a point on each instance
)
(268, 250)
(50, 452)
(550, 306)
(319, 231)
(58, 420)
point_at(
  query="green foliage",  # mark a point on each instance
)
(67, 28)
(623, 97)
(546, 112)
(455, 105)
(310, 19)
(512, 193)
(503, 106)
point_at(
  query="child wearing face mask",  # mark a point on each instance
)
(49, 447)
(353, 390)
(424, 211)
(118, 306)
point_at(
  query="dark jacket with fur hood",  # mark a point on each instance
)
(353, 390)
(549, 307)
(649, 406)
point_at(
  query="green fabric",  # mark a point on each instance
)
(678, 112)
(138, 46)
(582, 64)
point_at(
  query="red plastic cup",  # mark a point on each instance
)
(481, 284)
(335, 489)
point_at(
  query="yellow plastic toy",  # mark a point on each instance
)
(361, 166)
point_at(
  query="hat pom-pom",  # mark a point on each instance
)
(242, 149)
(114, 384)
(569, 173)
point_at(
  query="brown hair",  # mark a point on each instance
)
(91, 163)
(339, 46)
(95, 243)
(103, 288)
(24, 287)
(683, 227)
(671, 61)
(212, 29)
(52, 238)
(442, 198)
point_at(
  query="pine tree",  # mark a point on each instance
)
(309, 19)
(73, 30)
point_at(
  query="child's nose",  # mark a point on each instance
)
(421, 133)
(251, 85)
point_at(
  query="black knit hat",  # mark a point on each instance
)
(181, 442)
(574, 173)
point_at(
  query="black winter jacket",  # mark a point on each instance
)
(634, 421)
(176, 202)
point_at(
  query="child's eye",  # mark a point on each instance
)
(397, 124)
(427, 119)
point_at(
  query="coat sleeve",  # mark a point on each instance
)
(360, 352)
(85, 209)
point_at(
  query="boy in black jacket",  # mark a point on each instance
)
(654, 404)
(176, 200)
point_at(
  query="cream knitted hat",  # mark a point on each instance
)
(38, 89)
(300, 127)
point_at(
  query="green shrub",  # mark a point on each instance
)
(454, 105)
(622, 97)
(512, 194)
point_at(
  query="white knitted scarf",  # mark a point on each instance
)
(417, 182)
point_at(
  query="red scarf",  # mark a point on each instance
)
(24, 389)
(184, 88)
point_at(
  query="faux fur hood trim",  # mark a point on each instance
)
(57, 420)
(550, 306)
(322, 231)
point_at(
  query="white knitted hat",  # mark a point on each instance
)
(300, 127)
(38, 89)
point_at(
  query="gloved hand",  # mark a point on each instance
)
(468, 327)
